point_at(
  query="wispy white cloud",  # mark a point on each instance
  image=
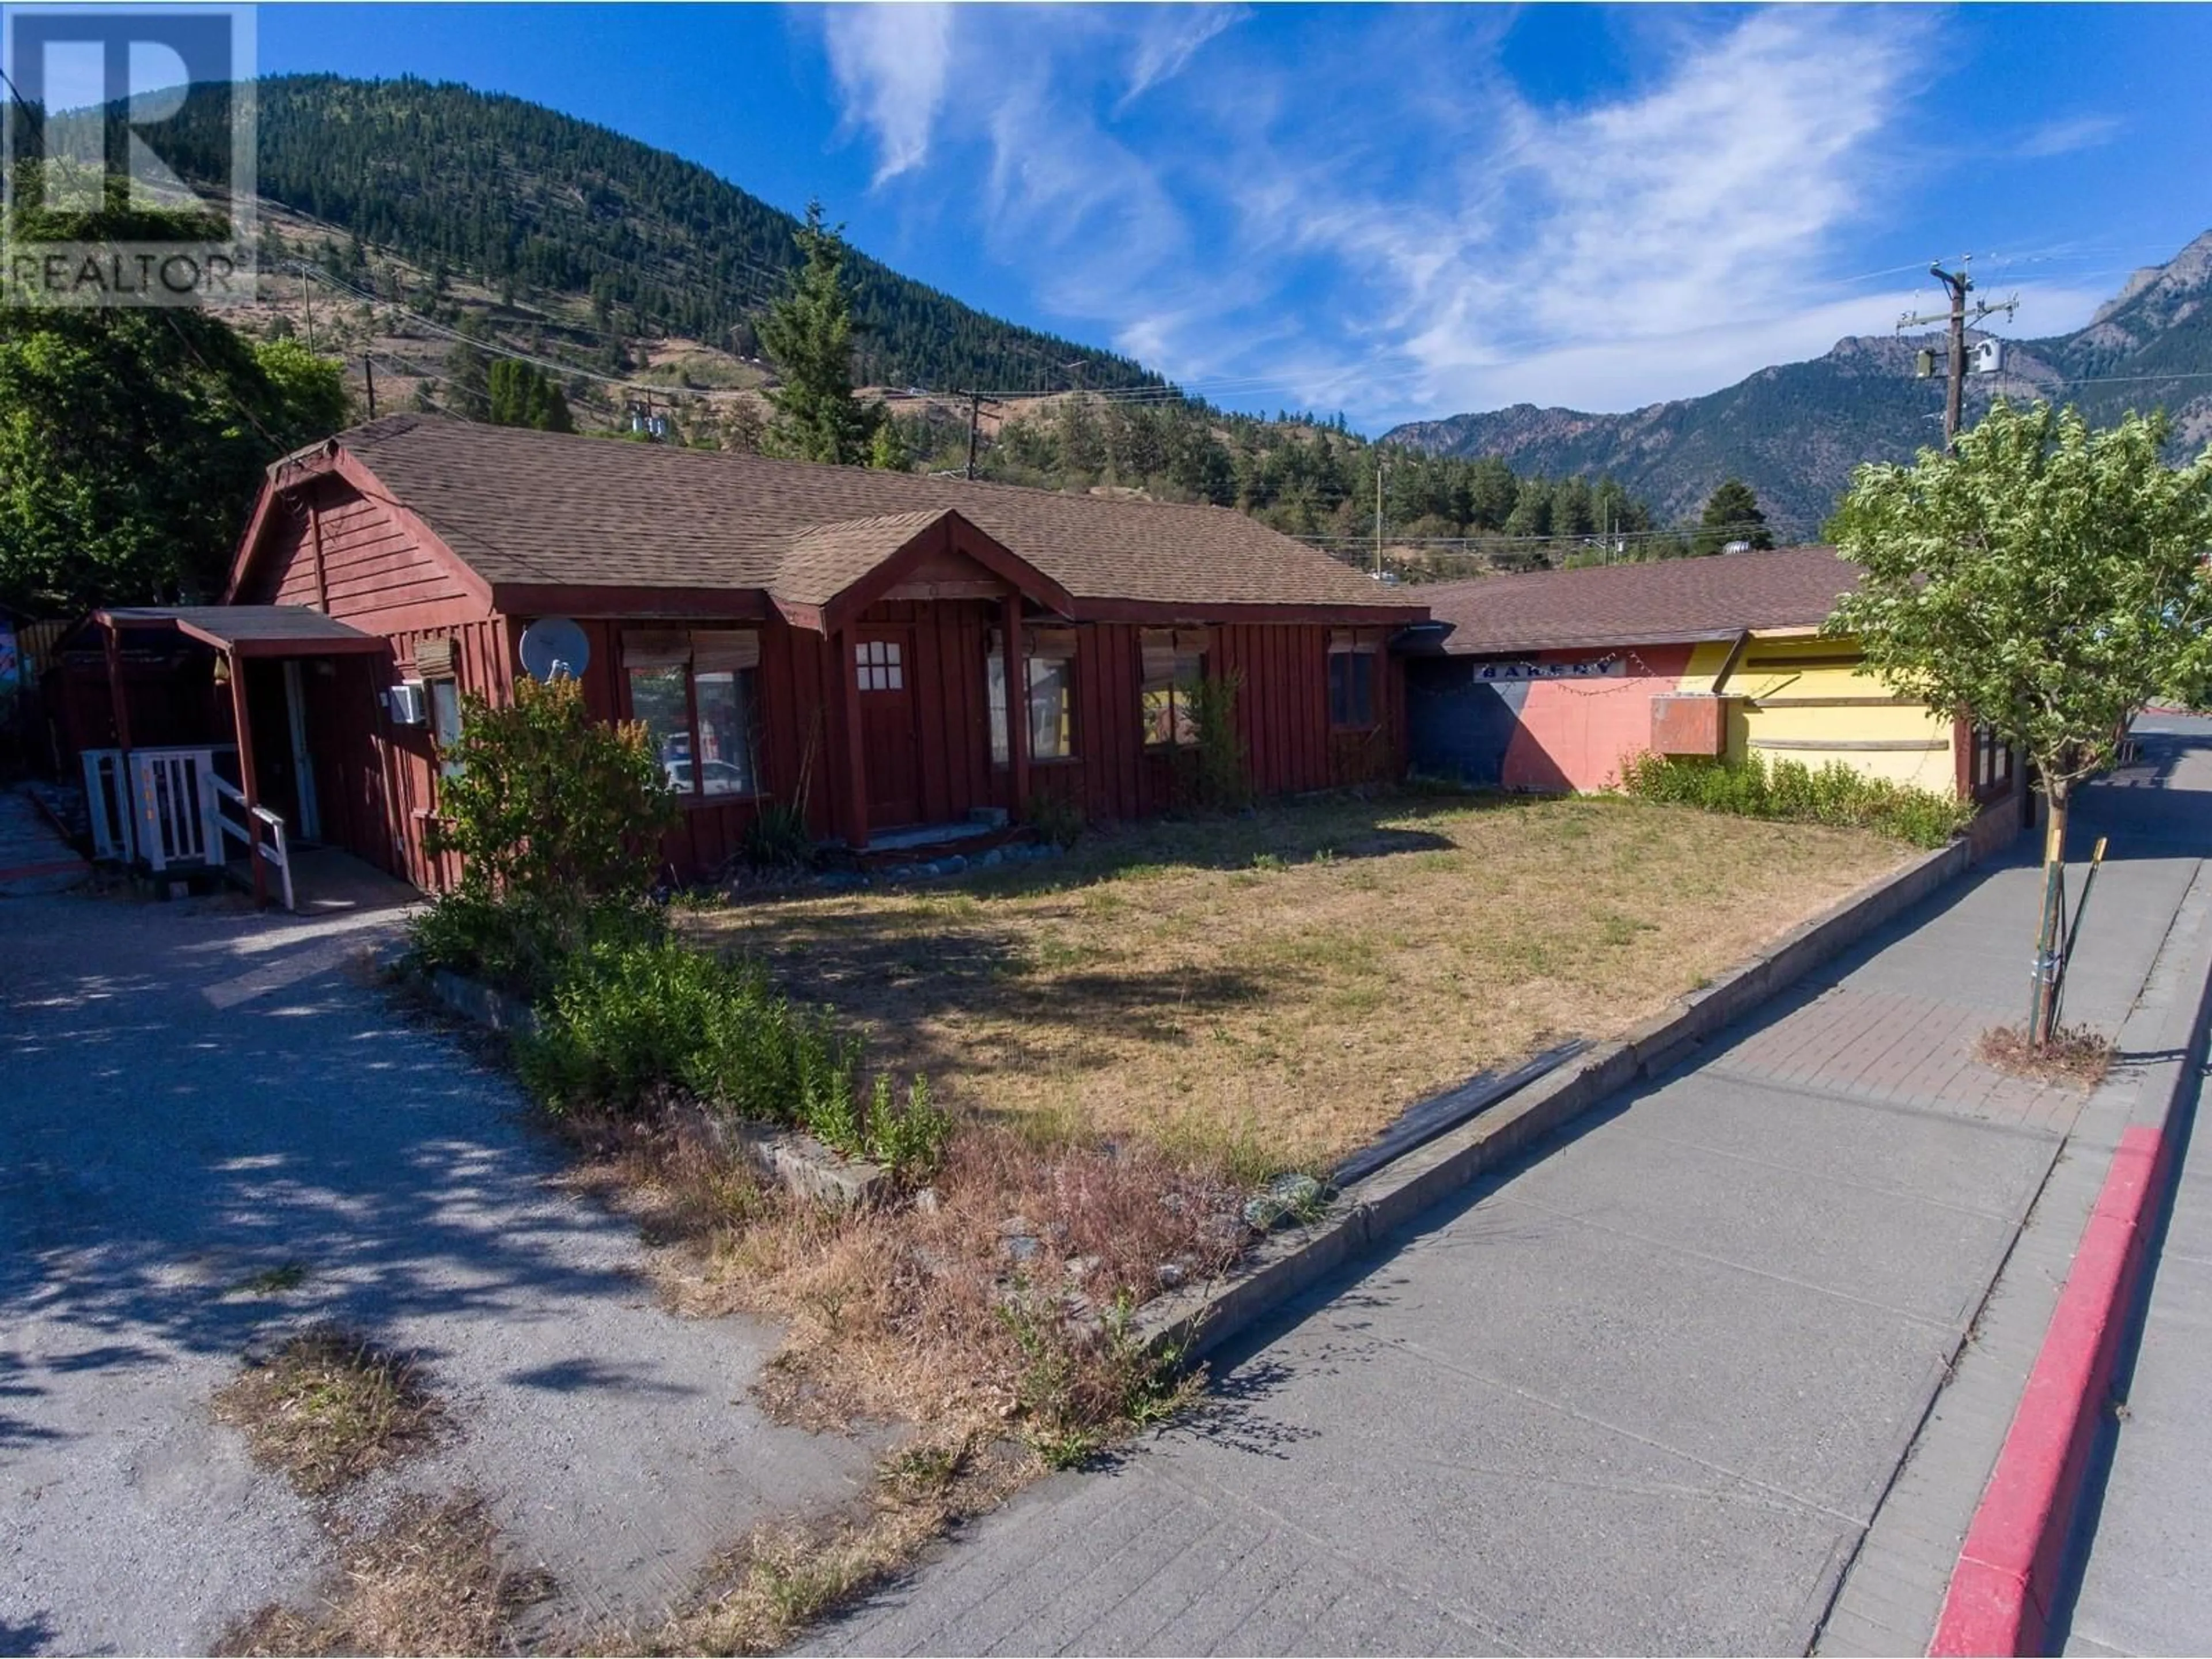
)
(2066, 135)
(890, 65)
(1374, 215)
(1164, 45)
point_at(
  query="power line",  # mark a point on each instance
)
(1959, 282)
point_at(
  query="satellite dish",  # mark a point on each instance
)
(553, 647)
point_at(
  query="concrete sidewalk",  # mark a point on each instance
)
(1643, 1392)
(2144, 1585)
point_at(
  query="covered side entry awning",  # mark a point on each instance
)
(250, 630)
(178, 793)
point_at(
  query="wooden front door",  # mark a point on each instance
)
(883, 661)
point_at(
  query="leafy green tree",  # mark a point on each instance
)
(131, 446)
(1732, 514)
(1573, 512)
(809, 334)
(522, 394)
(887, 450)
(2047, 581)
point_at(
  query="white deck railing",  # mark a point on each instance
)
(259, 822)
(166, 806)
(157, 804)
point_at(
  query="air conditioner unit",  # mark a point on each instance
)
(407, 704)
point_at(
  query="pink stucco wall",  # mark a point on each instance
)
(1572, 734)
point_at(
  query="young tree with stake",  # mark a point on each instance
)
(2045, 581)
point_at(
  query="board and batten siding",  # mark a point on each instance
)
(1282, 717)
(331, 548)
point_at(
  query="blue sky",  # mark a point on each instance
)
(1402, 212)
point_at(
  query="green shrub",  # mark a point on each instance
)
(630, 1020)
(544, 802)
(521, 945)
(1056, 818)
(1836, 795)
(1220, 780)
(556, 818)
(778, 837)
(905, 1137)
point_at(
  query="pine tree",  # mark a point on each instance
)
(468, 374)
(521, 394)
(1732, 514)
(809, 334)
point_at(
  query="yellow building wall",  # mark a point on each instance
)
(1804, 698)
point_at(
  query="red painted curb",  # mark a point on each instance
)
(56, 867)
(1999, 1601)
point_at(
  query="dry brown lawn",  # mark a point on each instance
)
(1274, 988)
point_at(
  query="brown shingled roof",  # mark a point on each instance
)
(823, 560)
(531, 508)
(1666, 602)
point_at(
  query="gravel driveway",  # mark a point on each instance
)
(191, 1096)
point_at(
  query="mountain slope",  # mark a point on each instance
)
(534, 201)
(1795, 431)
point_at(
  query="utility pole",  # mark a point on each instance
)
(975, 402)
(1959, 282)
(369, 373)
(307, 298)
(1381, 467)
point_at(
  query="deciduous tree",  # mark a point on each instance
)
(2047, 581)
(132, 446)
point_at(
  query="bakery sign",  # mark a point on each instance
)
(1601, 668)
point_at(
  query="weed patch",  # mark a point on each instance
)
(329, 1405)
(1001, 1303)
(271, 1281)
(2075, 1054)
(428, 1581)
(786, 1575)
(625, 1023)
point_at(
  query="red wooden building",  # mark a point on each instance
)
(783, 630)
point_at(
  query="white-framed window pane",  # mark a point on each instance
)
(1052, 708)
(725, 745)
(1169, 722)
(445, 724)
(1352, 688)
(877, 666)
(657, 697)
(995, 683)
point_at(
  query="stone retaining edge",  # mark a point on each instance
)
(1191, 1321)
